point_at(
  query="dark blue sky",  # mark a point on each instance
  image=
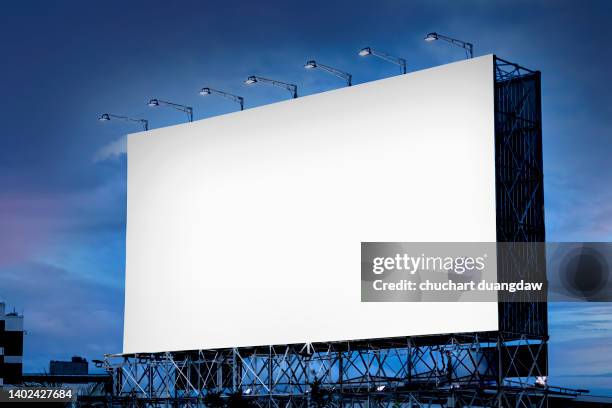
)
(62, 190)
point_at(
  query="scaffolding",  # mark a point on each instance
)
(419, 370)
(486, 369)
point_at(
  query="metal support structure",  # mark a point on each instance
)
(468, 47)
(334, 71)
(486, 369)
(292, 88)
(418, 370)
(226, 95)
(401, 62)
(520, 190)
(187, 109)
(107, 116)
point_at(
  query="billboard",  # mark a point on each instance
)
(245, 229)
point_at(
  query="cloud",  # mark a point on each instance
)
(580, 353)
(26, 223)
(581, 363)
(64, 313)
(32, 223)
(112, 150)
(589, 375)
(570, 322)
(577, 209)
(61, 261)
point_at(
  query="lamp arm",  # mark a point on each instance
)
(227, 95)
(340, 74)
(187, 109)
(390, 58)
(177, 106)
(144, 122)
(469, 47)
(292, 88)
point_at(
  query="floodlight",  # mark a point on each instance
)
(187, 109)
(380, 388)
(292, 88)
(238, 99)
(104, 117)
(431, 37)
(334, 71)
(468, 47)
(364, 52)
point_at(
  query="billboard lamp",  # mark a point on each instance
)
(334, 71)
(364, 52)
(468, 47)
(153, 103)
(292, 88)
(209, 91)
(105, 117)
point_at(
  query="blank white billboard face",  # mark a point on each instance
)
(245, 229)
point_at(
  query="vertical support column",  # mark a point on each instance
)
(500, 375)
(219, 371)
(150, 379)
(270, 376)
(235, 380)
(341, 369)
(409, 361)
(307, 363)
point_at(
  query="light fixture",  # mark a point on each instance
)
(468, 47)
(431, 37)
(541, 381)
(248, 391)
(364, 52)
(380, 388)
(334, 71)
(292, 88)
(105, 117)
(158, 102)
(238, 99)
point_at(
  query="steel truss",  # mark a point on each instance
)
(422, 371)
(519, 192)
(455, 370)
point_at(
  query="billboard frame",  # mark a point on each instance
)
(474, 369)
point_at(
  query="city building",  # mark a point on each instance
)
(76, 366)
(11, 346)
